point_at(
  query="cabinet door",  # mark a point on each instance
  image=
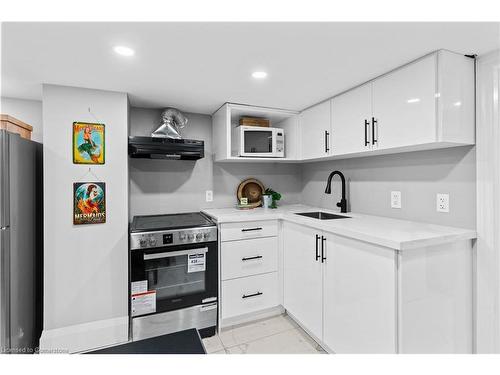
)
(350, 112)
(360, 297)
(303, 277)
(315, 131)
(404, 105)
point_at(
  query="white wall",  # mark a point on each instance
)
(488, 203)
(85, 266)
(168, 186)
(28, 111)
(418, 175)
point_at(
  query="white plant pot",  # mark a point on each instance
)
(267, 201)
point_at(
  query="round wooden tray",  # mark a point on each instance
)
(252, 189)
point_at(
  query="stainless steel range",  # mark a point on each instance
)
(173, 274)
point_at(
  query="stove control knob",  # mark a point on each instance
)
(190, 236)
(142, 242)
(199, 236)
(206, 235)
(182, 236)
(152, 242)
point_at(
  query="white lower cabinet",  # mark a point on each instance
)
(436, 314)
(249, 257)
(249, 294)
(357, 297)
(342, 291)
(359, 304)
(349, 295)
(249, 271)
(303, 286)
(248, 230)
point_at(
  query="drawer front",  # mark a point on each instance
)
(250, 229)
(249, 294)
(249, 257)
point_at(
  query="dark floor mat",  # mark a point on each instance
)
(184, 342)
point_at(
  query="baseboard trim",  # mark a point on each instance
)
(85, 336)
(311, 335)
(262, 314)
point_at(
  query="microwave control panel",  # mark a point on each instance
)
(280, 142)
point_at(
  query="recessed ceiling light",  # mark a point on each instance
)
(259, 75)
(457, 104)
(413, 100)
(124, 51)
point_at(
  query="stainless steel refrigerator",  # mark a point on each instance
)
(21, 241)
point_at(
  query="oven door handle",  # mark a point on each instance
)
(170, 254)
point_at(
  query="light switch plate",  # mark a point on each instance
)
(442, 202)
(395, 199)
(209, 195)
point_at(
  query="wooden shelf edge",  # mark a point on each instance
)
(15, 121)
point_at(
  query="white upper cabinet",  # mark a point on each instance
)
(404, 106)
(455, 98)
(426, 104)
(423, 105)
(315, 128)
(351, 121)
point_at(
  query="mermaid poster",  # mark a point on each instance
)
(89, 203)
(88, 143)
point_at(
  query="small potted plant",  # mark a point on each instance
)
(272, 196)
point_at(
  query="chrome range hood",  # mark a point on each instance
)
(165, 148)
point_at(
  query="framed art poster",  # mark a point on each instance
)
(89, 203)
(88, 143)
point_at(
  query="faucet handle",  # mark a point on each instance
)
(343, 205)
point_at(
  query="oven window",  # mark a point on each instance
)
(176, 275)
(258, 141)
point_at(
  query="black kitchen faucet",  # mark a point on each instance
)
(343, 203)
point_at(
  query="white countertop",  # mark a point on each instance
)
(383, 231)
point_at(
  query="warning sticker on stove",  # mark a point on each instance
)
(139, 287)
(196, 262)
(143, 303)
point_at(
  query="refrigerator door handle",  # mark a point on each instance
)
(4, 179)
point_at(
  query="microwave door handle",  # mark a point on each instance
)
(170, 254)
(275, 141)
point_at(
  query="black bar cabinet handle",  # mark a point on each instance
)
(317, 248)
(326, 141)
(367, 142)
(251, 295)
(251, 258)
(374, 140)
(323, 258)
(250, 229)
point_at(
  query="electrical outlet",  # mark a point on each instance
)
(442, 202)
(209, 195)
(395, 199)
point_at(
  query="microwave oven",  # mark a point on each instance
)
(258, 142)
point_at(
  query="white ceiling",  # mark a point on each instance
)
(199, 66)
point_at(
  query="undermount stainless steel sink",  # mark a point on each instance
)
(322, 215)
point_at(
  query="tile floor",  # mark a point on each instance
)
(276, 335)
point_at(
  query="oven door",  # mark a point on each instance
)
(170, 278)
